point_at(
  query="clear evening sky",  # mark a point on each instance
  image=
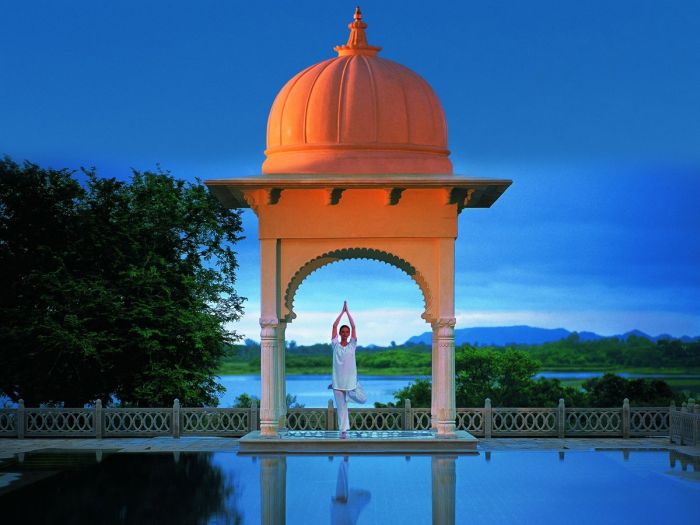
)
(592, 108)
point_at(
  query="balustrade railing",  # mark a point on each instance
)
(58, 422)
(307, 419)
(122, 422)
(8, 422)
(215, 421)
(469, 419)
(682, 425)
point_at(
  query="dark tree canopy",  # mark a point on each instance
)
(113, 288)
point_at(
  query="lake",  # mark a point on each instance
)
(312, 390)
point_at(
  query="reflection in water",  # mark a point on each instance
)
(444, 478)
(273, 489)
(684, 460)
(124, 488)
(347, 503)
(199, 488)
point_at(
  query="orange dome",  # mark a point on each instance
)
(357, 113)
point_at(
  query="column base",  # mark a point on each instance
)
(269, 429)
(446, 430)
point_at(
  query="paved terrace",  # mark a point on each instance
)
(9, 447)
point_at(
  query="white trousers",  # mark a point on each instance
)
(341, 404)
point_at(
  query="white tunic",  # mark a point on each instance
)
(344, 367)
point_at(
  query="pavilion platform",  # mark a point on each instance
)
(357, 442)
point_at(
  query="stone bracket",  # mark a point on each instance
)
(393, 196)
(253, 199)
(460, 197)
(334, 195)
(273, 195)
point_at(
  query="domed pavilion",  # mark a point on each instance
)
(357, 166)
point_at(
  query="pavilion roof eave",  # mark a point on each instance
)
(482, 192)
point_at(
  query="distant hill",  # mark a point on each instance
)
(527, 335)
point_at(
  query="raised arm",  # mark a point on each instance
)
(353, 334)
(334, 333)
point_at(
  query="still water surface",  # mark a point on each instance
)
(312, 390)
(505, 487)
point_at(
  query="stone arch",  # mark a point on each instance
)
(342, 254)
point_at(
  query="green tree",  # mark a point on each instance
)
(546, 392)
(419, 392)
(477, 375)
(611, 390)
(113, 288)
(516, 371)
(245, 400)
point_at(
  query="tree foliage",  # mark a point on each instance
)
(507, 379)
(632, 352)
(113, 288)
(611, 390)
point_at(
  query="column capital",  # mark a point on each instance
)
(268, 327)
(269, 322)
(444, 322)
(444, 327)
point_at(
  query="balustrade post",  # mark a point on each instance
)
(176, 418)
(407, 416)
(693, 409)
(330, 416)
(253, 419)
(21, 417)
(671, 410)
(561, 419)
(626, 418)
(488, 418)
(98, 419)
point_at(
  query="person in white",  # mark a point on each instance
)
(345, 385)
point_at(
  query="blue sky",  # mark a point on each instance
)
(592, 108)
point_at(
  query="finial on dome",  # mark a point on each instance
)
(357, 42)
(357, 17)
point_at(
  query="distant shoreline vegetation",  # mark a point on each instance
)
(633, 355)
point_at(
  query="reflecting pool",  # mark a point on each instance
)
(503, 487)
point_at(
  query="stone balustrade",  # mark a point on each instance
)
(682, 425)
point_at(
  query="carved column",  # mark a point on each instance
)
(269, 365)
(444, 379)
(436, 386)
(281, 376)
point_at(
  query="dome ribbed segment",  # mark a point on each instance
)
(357, 113)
